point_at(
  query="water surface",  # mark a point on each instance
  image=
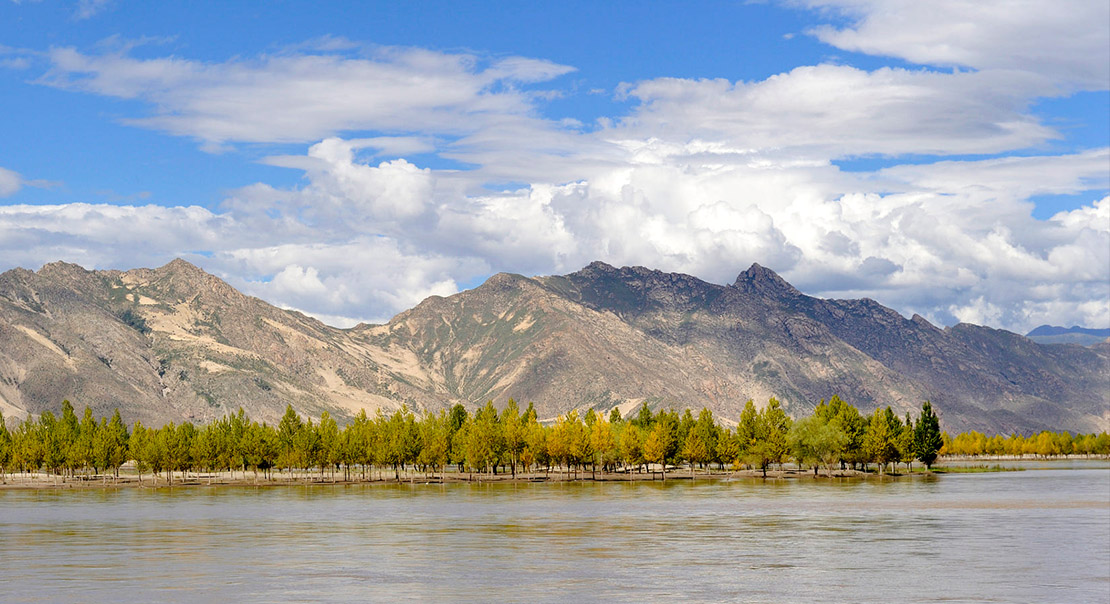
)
(1033, 536)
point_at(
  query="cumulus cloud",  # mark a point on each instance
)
(101, 235)
(365, 279)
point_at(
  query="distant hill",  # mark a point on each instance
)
(1051, 334)
(175, 343)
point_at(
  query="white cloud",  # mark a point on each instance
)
(10, 182)
(301, 97)
(1064, 42)
(832, 111)
(365, 279)
(86, 9)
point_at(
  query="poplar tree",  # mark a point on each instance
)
(927, 436)
(631, 443)
(329, 444)
(603, 444)
(881, 441)
(288, 432)
(513, 428)
(433, 435)
(5, 449)
(816, 440)
(656, 445)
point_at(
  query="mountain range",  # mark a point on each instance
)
(1051, 334)
(178, 344)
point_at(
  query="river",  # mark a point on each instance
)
(1041, 535)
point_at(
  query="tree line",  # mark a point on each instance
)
(486, 441)
(1043, 444)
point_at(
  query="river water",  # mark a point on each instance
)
(1041, 535)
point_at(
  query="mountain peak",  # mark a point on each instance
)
(181, 267)
(61, 268)
(598, 267)
(764, 281)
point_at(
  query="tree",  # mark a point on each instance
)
(289, 430)
(644, 419)
(728, 448)
(137, 446)
(486, 439)
(433, 434)
(82, 453)
(603, 445)
(5, 449)
(881, 441)
(772, 447)
(748, 429)
(456, 419)
(907, 450)
(513, 427)
(307, 447)
(237, 426)
(66, 431)
(328, 438)
(656, 445)
(813, 439)
(535, 448)
(631, 444)
(927, 436)
(178, 446)
(847, 419)
(700, 446)
(54, 439)
(569, 441)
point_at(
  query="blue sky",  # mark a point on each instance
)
(348, 159)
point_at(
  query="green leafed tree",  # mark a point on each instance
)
(6, 447)
(513, 427)
(657, 444)
(814, 440)
(881, 440)
(927, 436)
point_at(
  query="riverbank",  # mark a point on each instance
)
(130, 479)
(215, 479)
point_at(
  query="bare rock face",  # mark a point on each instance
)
(178, 344)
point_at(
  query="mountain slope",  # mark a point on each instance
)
(176, 343)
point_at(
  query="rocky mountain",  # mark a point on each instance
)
(176, 343)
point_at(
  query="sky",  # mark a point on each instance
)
(348, 159)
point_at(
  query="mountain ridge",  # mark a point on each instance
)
(176, 343)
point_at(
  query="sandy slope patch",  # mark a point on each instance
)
(296, 336)
(10, 411)
(212, 367)
(525, 324)
(629, 405)
(46, 343)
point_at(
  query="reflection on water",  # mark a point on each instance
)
(1031, 536)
